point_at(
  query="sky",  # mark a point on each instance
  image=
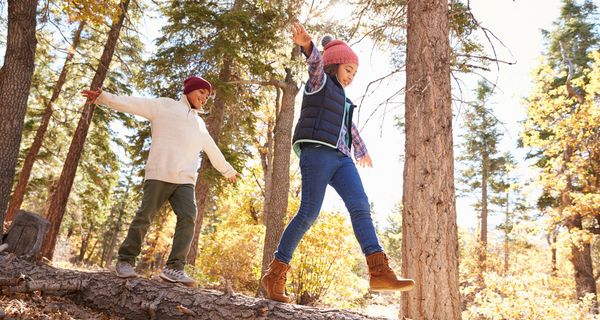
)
(517, 24)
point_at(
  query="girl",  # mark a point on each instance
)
(323, 138)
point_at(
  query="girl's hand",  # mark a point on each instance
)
(91, 95)
(301, 37)
(365, 161)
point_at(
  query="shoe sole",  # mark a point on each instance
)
(187, 284)
(122, 276)
(405, 288)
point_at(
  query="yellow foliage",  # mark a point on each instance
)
(232, 249)
(527, 290)
(528, 295)
(322, 267)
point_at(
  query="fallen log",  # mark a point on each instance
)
(151, 299)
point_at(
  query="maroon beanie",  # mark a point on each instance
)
(193, 83)
(337, 52)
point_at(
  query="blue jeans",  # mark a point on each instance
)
(320, 166)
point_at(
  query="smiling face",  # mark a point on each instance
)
(198, 98)
(346, 72)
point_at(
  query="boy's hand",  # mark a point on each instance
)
(91, 95)
(301, 37)
(365, 161)
(233, 178)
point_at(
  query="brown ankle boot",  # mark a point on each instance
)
(274, 281)
(382, 277)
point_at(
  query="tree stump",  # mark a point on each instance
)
(25, 235)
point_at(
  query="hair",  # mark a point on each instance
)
(331, 69)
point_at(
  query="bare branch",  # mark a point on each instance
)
(275, 83)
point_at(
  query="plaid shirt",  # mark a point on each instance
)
(316, 78)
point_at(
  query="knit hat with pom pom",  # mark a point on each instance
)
(336, 51)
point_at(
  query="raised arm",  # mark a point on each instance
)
(316, 74)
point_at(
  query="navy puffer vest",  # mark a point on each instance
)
(322, 115)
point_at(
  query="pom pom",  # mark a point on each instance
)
(326, 39)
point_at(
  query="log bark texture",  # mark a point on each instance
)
(152, 299)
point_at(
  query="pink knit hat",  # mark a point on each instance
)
(336, 51)
(193, 83)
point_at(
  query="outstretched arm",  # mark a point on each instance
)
(144, 107)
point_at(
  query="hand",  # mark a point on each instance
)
(233, 178)
(300, 36)
(91, 95)
(365, 161)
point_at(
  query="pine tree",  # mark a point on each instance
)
(482, 160)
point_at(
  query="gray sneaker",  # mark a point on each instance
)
(125, 270)
(178, 276)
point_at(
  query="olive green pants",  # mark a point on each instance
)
(182, 200)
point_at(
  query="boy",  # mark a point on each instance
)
(178, 136)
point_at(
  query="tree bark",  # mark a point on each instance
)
(15, 83)
(58, 202)
(152, 299)
(17, 197)
(277, 203)
(214, 123)
(429, 231)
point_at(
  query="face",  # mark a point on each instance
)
(198, 98)
(346, 72)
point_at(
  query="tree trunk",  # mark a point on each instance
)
(152, 299)
(15, 83)
(214, 123)
(267, 157)
(506, 230)
(581, 255)
(58, 203)
(17, 197)
(484, 214)
(277, 203)
(551, 238)
(429, 231)
(110, 251)
(84, 243)
(582, 262)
